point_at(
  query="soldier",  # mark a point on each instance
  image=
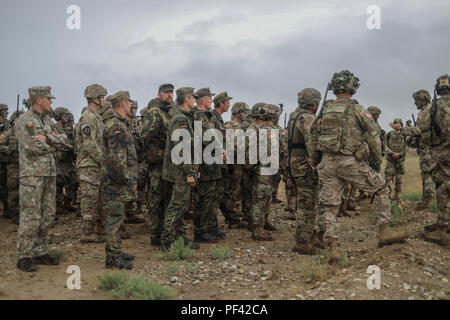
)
(346, 143)
(205, 221)
(120, 174)
(263, 184)
(436, 133)
(37, 140)
(89, 144)
(155, 126)
(10, 152)
(66, 180)
(221, 105)
(181, 177)
(422, 101)
(239, 111)
(4, 126)
(304, 176)
(395, 155)
(289, 183)
(132, 216)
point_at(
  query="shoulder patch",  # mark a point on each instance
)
(30, 124)
(86, 130)
(368, 115)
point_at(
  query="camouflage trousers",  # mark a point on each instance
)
(290, 190)
(13, 184)
(37, 215)
(3, 188)
(441, 177)
(236, 179)
(66, 183)
(395, 169)
(247, 198)
(114, 219)
(350, 193)
(158, 200)
(206, 207)
(262, 197)
(307, 187)
(142, 183)
(225, 200)
(428, 187)
(276, 178)
(335, 171)
(173, 227)
(90, 198)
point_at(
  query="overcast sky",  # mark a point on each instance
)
(256, 50)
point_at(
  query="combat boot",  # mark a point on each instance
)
(439, 236)
(396, 196)
(124, 234)
(15, 219)
(304, 248)
(351, 205)
(317, 240)
(334, 254)
(27, 265)
(118, 262)
(205, 237)
(220, 234)
(342, 210)
(276, 200)
(237, 225)
(422, 205)
(127, 257)
(192, 244)
(46, 259)
(269, 227)
(90, 235)
(134, 219)
(260, 234)
(388, 236)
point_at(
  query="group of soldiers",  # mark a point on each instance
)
(112, 163)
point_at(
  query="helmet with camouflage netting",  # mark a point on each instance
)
(345, 82)
(422, 94)
(374, 111)
(269, 112)
(255, 109)
(443, 84)
(309, 96)
(59, 112)
(239, 107)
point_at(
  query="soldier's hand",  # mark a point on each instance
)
(190, 180)
(396, 155)
(42, 137)
(409, 123)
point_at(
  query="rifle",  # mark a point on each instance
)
(17, 109)
(324, 100)
(285, 120)
(414, 119)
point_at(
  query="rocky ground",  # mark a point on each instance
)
(254, 270)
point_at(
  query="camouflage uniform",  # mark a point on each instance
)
(423, 147)
(155, 124)
(395, 168)
(290, 187)
(66, 177)
(89, 145)
(436, 133)
(223, 193)
(10, 152)
(346, 136)
(4, 126)
(120, 174)
(305, 178)
(37, 190)
(276, 178)
(263, 184)
(205, 221)
(176, 174)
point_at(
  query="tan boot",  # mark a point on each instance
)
(304, 248)
(342, 210)
(260, 234)
(123, 232)
(439, 236)
(351, 205)
(92, 238)
(388, 236)
(422, 205)
(317, 240)
(334, 255)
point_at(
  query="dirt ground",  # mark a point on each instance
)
(256, 270)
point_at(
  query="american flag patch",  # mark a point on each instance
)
(368, 115)
(117, 131)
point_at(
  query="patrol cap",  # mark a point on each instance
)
(166, 87)
(119, 96)
(94, 91)
(222, 97)
(186, 91)
(204, 92)
(41, 91)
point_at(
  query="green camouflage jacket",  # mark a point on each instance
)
(88, 134)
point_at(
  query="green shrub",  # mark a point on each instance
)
(222, 253)
(396, 211)
(173, 268)
(433, 206)
(178, 251)
(121, 285)
(412, 196)
(190, 268)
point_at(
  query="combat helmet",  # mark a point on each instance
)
(255, 109)
(374, 111)
(422, 94)
(269, 112)
(59, 112)
(3, 107)
(442, 84)
(344, 81)
(94, 91)
(398, 120)
(239, 107)
(309, 96)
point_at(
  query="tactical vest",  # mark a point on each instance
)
(296, 141)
